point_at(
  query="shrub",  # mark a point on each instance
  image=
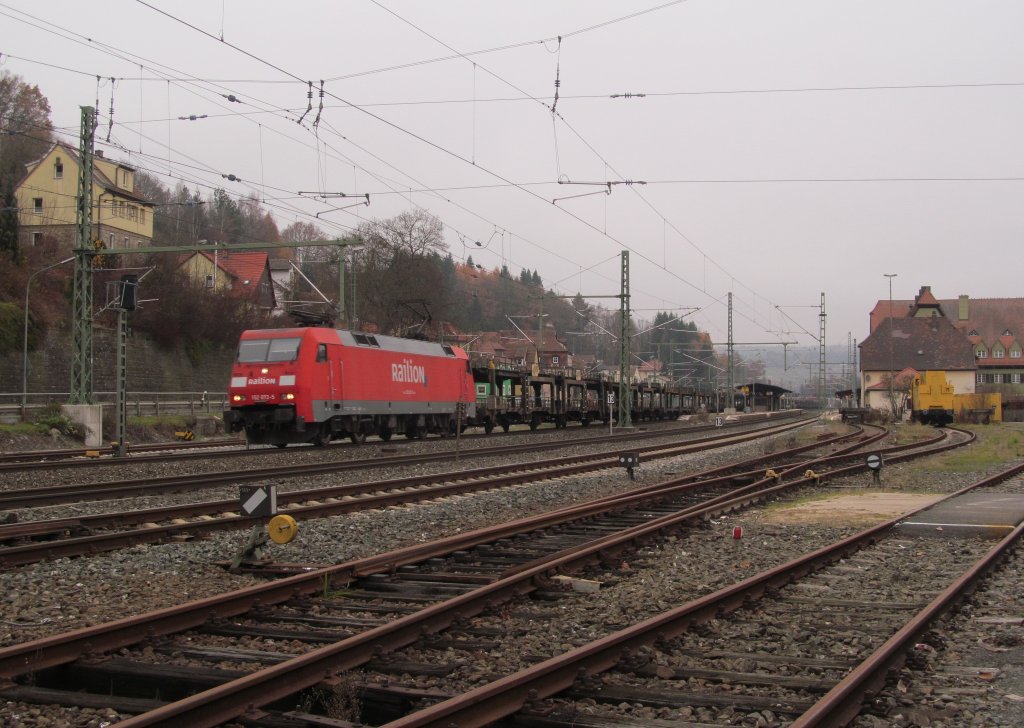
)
(51, 418)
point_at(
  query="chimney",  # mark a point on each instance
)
(963, 308)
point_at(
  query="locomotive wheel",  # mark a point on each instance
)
(584, 422)
(506, 426)
(534, 424)
(358, 437)
(384, 433)
(488, 427)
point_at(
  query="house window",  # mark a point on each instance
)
(120, 208)
(36, 239)
(997, 353)
(142, 215)
(58, 169)
(209, 281)
(980, 353)
(133, 212)
(1015, 352)
(37, 205)
(980, 378)
(1006, 332)
(554, 360)
(126, 243)
(1015, 378)
(997, 378)
(110, 240)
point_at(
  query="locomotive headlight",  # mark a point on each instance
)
(264, 370)
(237, 397)
(288, 396)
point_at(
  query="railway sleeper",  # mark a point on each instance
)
(667, 698)
(134, 679)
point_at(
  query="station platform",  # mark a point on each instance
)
(971, 515)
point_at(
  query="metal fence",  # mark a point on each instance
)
(137, 404)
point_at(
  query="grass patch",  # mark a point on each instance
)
(21, 428)
(157, 421)
(996, 445)
(910, 432)
(145, 428)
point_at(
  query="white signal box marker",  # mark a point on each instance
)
(258, 500)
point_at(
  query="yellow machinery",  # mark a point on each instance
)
(934, 402)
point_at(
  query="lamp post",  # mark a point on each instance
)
(892, 400)
(24, 340)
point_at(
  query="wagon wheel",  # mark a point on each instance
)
(358, 437)
(488, 427)
(384, 433)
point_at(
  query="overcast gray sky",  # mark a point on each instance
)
(789, 148)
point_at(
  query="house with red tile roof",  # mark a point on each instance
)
(994, 327)
(242, 274)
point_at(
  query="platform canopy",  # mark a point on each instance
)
(759, 389)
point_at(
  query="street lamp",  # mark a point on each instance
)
(892, 400)
(24, 341)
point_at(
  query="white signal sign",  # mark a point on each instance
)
(719, 422)
(258, 501)
(874, 461)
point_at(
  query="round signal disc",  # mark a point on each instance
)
(282, 528)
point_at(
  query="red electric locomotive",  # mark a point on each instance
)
(318, 384)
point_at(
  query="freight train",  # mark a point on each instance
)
(314, 385)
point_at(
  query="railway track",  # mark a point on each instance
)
(79, 458)
(804, 644)
(89, 534)
(580, 535)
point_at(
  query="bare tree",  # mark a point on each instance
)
(414, 233)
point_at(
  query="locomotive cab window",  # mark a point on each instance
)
(321, 352)
(448, 350)
(266, 350)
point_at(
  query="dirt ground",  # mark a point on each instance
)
(859, 509)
